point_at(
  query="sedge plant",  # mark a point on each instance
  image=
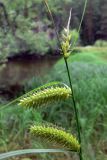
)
(66, 49)
(50, 93)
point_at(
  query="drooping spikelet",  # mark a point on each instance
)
(56, 136)
(46, 96)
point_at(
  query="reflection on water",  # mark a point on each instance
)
(18, 71)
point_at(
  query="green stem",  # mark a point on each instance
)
(75, 108)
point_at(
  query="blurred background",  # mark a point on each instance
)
(30, 56)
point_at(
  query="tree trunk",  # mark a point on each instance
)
(103, 27)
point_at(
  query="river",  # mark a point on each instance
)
(17, 71)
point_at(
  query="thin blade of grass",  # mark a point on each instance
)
(30, 151)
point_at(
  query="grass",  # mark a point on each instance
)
(89, 55)
(99, 54)
(14, 122)
(89, 77)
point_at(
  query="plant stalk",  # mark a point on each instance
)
(75, 108)
(69, 77)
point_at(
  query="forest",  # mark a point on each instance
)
(24, 22)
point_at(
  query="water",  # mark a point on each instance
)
(17, 71)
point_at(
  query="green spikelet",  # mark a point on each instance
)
(46, 96)
(56, 136)
(66, 40)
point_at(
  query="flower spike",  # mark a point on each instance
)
(46, 96)
(56, 136)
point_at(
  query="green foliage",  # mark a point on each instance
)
(27, 29)
(100, 43)
(14, 124)
(24, 29)
(26, 26)
(34, 42)
(8, 45)
(74, 36)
